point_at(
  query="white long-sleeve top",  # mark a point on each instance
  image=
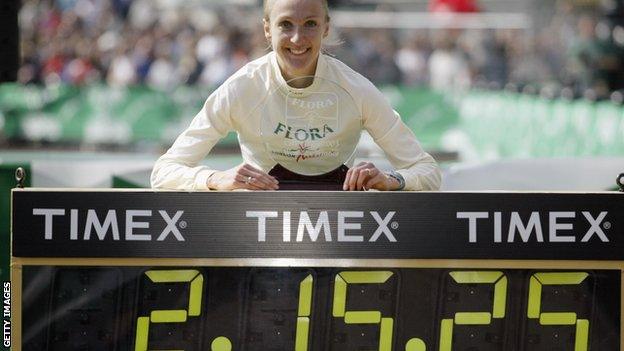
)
(237, 106)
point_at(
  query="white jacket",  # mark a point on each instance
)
(237, 105)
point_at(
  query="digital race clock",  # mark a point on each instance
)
(144, 270)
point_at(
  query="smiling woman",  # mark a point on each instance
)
(295, 30)
(296, 107)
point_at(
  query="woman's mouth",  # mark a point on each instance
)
(298, 52)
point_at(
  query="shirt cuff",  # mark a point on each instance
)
(408, 180)
(201, 180)
(399, 178)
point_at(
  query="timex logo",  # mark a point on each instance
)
(558, 226)
(347, 229)
(102, 225)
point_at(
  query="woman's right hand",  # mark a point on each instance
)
(242, 176)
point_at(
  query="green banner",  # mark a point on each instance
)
(500, 125)
(122, 116)
(488, 125)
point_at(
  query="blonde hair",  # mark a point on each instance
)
(268, 4)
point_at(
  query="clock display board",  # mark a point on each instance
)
(143, 270)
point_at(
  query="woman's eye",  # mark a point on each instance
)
(310, 24)
(285, 24)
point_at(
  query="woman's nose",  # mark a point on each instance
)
(297, 35)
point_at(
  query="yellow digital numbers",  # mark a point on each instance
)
(534, 309)
(475, 318)
(362, 317)
(196, 280)
(303, 313)
(343, 279)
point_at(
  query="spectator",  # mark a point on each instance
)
(412, 58)
(122, 72)
(448, 68)
(162, 72)
(592, 61)
(143, 42)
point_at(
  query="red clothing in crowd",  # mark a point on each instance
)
(453, 6)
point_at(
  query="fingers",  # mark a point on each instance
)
(360, 176)
(251, 178)
(246, 182)
(379, 181)
(363, 176)
(350, 180)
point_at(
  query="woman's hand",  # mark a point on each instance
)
(242, 176)
(366, 176)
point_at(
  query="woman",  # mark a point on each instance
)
(295, 29)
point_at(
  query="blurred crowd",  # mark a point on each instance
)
(577, 52)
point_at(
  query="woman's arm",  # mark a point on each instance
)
(179, 167)
(419, 170)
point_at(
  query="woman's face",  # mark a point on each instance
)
(295, 30)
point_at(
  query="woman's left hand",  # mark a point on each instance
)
(366, 176)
